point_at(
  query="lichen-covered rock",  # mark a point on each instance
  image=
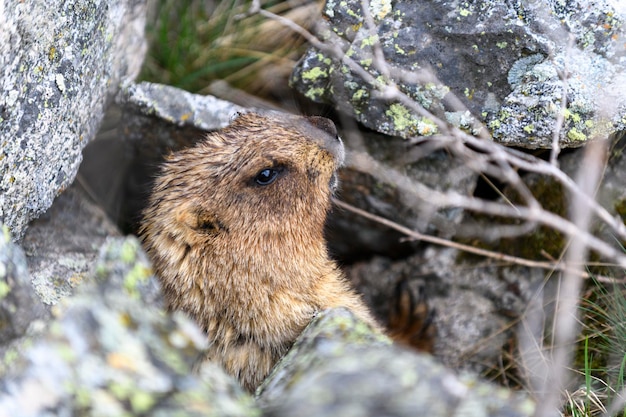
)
(61, 62)
(112, 350)
(340, 367)
(478, 301)
(502, 60)
(19, 305)
(177, 106)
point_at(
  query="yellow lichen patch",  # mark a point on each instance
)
(402, 118)
(314, 74)
(380, 8)
(575, 134)
(5, 289)
(121, 361)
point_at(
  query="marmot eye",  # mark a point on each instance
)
(266, 176)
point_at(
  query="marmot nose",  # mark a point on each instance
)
(324, 124)
(331, 141)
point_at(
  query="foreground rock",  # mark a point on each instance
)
(489, 61)
(112, 350)
(338, 366)
(61, 63)
(21, 311)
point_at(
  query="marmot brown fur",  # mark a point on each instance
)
(234, 227)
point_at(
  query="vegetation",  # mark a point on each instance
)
(195, 43)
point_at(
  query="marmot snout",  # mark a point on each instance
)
(234, 227)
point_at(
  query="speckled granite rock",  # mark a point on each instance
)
(112, 350)
(61, 63)
(339, 367)
(494, 56)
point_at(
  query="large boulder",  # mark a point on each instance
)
(339, 366)
(499, 63)
(112, 350)
(61, 63)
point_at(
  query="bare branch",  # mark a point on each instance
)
(569, 290)
(551, 266)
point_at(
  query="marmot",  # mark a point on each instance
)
(234, 227)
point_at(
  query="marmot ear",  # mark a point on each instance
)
(199, 220)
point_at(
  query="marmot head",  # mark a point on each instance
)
(257, 183)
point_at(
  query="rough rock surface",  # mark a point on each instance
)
(61, 63)
(474, 301)
(339, 367)
(112, 350)
(502, 60)
(62, 245)
(20, 308)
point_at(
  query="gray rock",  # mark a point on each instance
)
(501, 60)
(177, 106)
(62, 245)
(20, 307)
(61, 63)
(472, 308)
(339, 367)
(112, 350)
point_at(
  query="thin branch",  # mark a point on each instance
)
(552, 266)
(416, 194)
(569, 291)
